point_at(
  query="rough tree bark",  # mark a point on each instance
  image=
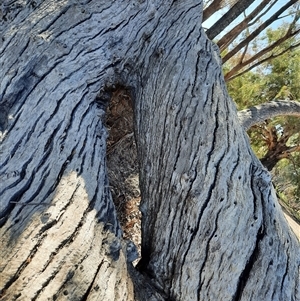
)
(211, 229)
(260, 113)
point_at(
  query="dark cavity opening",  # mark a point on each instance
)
(122, 163)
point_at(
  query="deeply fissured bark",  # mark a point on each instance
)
(211, 227)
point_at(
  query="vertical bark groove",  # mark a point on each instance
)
(248, 267)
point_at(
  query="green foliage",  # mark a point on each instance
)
(284, 77)
(246, 90)
(278, 78)
(287, 182)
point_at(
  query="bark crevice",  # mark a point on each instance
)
(122, 162)
(245, 275)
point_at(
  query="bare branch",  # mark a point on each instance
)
(259, 113)
(215, 6)
(243, 55)
(233, 33)
(229, 75)
(294, 149)
(288, 151)
(272, 56)
(262, 14)
(256, 32)
(211, 9)
(230, 16)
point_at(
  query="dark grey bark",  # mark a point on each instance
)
(211, 228)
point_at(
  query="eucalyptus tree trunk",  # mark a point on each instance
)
(211, 225)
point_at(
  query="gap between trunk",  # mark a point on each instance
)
(122, 164)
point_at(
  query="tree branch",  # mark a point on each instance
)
(287, 151)
(233, 33)
(270, 57)
(256, 32)
(230, 16)
(230, 75)
(211, 9)
(262, 14)
(259, 113)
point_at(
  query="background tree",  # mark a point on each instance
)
(211, 223)
(236, 41)
(275, 134)
(250, 44)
